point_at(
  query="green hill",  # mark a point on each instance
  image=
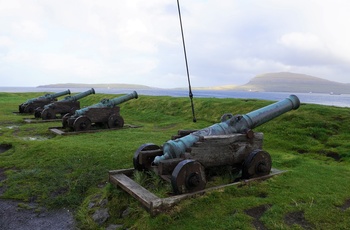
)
(311, 144)
(268, 82)
(293, 82)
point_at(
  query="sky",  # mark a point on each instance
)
(228, 42)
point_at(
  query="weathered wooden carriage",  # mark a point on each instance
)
(67, 105)
(30, 105)
(185, 160)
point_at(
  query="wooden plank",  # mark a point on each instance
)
(134, 189)
(127, 172)
(61, 131)
(57, 131)
(35, 120)
(156, 205)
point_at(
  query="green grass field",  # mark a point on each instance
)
(311, 143)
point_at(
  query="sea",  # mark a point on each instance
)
(338, 100)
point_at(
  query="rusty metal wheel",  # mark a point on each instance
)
(115, 121)
(258, 163)
(82, 123)
(48, 114)
(65, 120)
(145, 149)
(37, 112)
(188, 176)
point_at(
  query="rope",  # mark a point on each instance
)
(188, 73)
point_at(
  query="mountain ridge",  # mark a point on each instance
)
(267, 82)
(101, 85)
(294, 82)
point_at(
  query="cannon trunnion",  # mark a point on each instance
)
(105, 114)
(185, 160)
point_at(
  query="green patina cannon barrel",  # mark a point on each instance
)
(230, 124)
(30, 105)
(73, 98)
(79, 95)
(107, 103)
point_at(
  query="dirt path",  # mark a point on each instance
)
(23, 216)
(28, 216)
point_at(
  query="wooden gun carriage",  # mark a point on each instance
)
(184, 161)
(67, 105)
(30, 105)
(105, 113)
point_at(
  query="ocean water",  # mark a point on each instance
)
(342, 100)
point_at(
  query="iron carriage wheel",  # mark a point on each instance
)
(115, 121)
(48, 114)
(37, 113)
(188, 176)
(136, 159)
(82, 123)
(65, 120)
(258, 163)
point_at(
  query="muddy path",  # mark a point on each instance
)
(28, 216)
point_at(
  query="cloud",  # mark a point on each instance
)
(28, 30)
(228, 42)
(302, 42)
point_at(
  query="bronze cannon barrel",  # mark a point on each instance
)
(231, 125)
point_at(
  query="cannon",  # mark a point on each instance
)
(105, 113)
(30, 105)
(185, 160)
(67, 105)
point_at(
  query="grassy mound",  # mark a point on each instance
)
(72, 171)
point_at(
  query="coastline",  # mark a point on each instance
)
(340, 100)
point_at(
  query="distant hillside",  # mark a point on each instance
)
(293, 82)
(269, 82)
(109, 86)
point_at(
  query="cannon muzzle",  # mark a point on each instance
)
(55, 95)
(122, 99)
(108, 103)
(79, 95)
(229, 125)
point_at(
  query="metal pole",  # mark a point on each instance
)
(188, 73)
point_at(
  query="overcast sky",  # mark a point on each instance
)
(139, 42)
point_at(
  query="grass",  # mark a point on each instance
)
(72, 171)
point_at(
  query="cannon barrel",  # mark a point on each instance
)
(73, 98)
(107, 103)
(79, 95)
(48, 96)
(233, 124)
